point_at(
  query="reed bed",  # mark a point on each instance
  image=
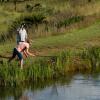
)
(50, 67)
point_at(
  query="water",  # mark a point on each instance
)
(78, 87)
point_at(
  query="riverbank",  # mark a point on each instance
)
(43, 68)
(77, 51)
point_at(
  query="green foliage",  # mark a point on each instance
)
(29, 8)
(45, 18)
(29, 20)
(49, 67)
(93, 56)
(70, 21)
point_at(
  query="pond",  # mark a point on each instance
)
(72, 87)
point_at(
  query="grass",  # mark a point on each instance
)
(74, 56)
(6, 19)
(57, 10)
(53, 67)
(77, 39)
(73, 39)
(44, 68)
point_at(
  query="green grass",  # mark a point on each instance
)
(73, 39)
(6, 18)
(75, 56)
(53, 67)
(78, 39)
(44, 68)
(61, 8)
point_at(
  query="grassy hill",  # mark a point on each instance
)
(77, 39)
(72, 32)
(56, 13)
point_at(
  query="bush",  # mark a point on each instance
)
(92, 55)
(69, 21)
(29, 8)
(29, 20)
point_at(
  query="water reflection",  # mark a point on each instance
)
(78, 88)
(54, 90)
(27, 95)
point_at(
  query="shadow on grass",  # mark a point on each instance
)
(2, 56)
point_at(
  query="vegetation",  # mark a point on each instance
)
(50, 67)
(60, 18)
(66, 37)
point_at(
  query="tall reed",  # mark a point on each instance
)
(50, 67)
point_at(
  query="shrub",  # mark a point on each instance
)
(69, 21)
